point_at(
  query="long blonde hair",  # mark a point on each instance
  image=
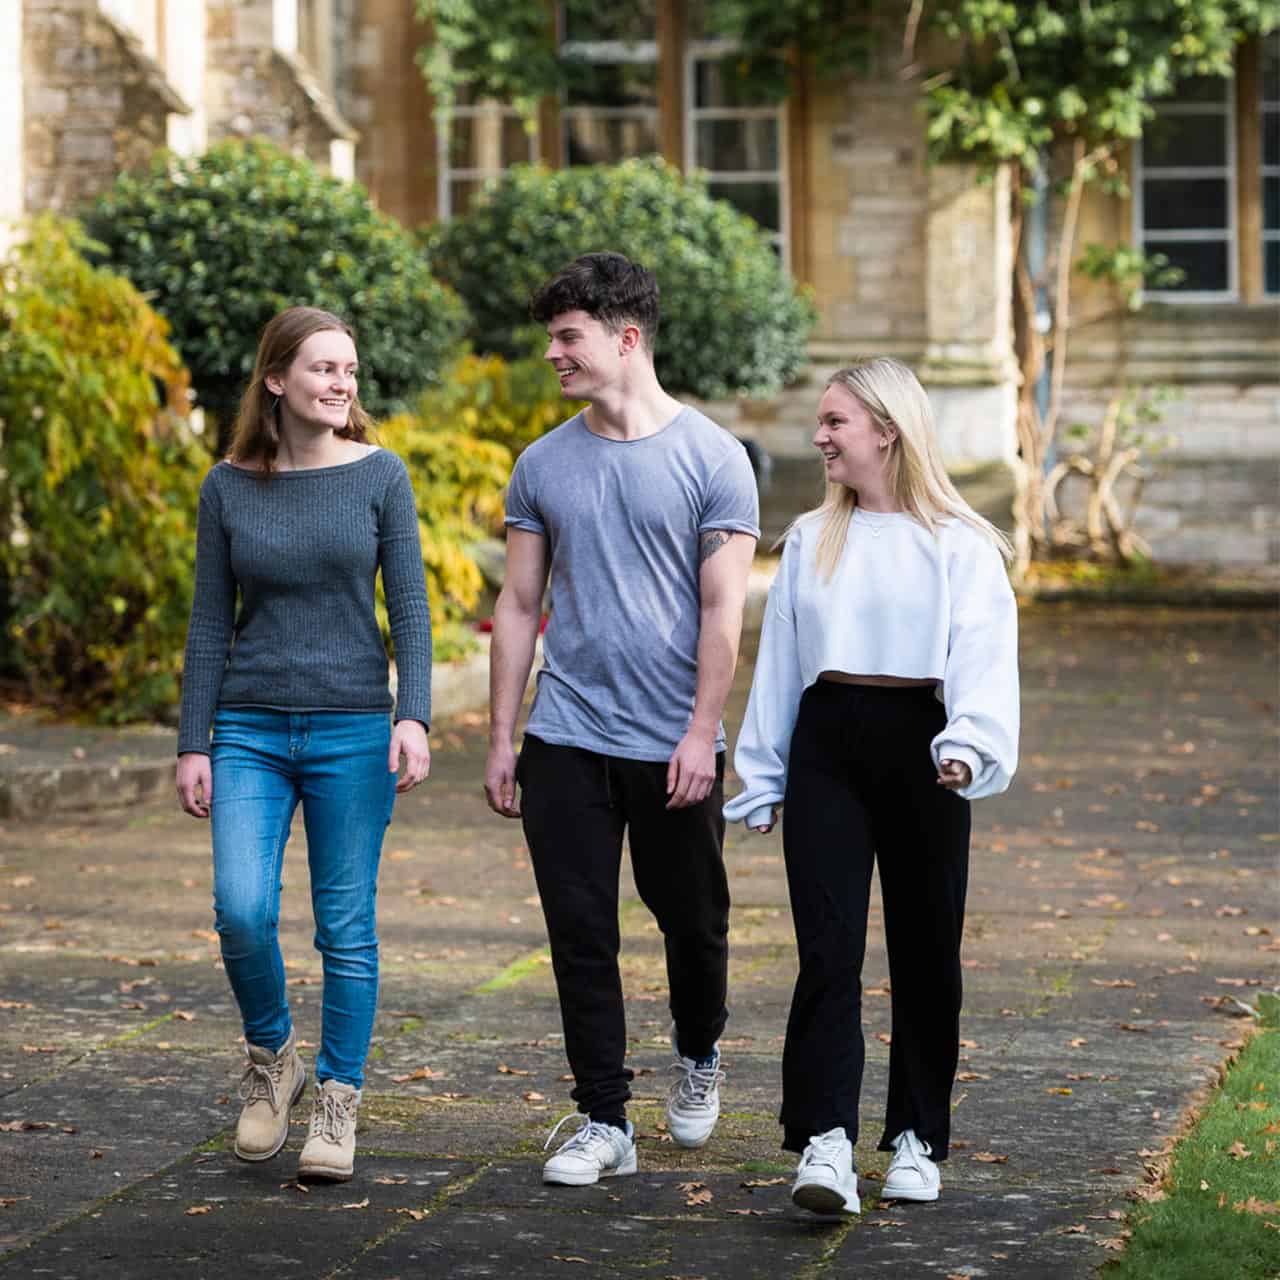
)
(900, 410)
(256, 435)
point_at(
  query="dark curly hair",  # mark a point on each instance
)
(608, 287)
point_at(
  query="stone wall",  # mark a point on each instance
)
(1214, 489)
(257, 85)
(95, 102)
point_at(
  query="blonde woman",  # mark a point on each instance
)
(885, 698)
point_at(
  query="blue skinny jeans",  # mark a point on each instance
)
(335, 762)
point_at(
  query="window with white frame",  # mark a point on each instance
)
(739, 141)
(1184, 205)
(482, 140)
(610, 111)
(1271, 163)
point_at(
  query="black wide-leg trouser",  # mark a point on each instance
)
(576, 805)
(862, 790)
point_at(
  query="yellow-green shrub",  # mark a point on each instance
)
(99, 486)
(458, 482)
(512, 403)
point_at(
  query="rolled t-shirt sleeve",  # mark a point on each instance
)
(522, 511)
(732, 501)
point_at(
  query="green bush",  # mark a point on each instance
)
(458, 482)
(222, 241)
(731, 318)
(97, 509)
(488, 398)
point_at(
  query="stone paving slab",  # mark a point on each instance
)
(1122, 900)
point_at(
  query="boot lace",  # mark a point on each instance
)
(261, 1083)
(331, 1116)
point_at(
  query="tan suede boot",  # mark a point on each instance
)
(330, 1150)
(271, 1084)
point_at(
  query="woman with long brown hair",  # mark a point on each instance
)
(285, 700)
(885, 698)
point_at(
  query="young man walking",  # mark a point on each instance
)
(644, 514)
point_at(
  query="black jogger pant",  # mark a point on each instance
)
(576, 805)
(861, 788)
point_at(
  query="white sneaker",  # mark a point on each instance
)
(693, 1105)
(596, 1151)
(911, 1175)
(826, 1181)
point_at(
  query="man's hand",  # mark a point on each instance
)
(773, 818)
(409, 740)
(500, 780)
(692, 771)
(194, 781)
(954, 775)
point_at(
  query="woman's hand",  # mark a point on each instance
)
(409, 740)
(194, 780)
(954, 775)
(773, 818)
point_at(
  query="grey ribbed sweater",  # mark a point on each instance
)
(301, 552)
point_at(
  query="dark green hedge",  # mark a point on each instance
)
(731, 318)
(222, 241)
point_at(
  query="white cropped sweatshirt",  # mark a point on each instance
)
(901, 602)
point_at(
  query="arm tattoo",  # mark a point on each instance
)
(711, 542)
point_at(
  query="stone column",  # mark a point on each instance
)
(969, 366)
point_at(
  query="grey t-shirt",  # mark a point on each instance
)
(623, 521)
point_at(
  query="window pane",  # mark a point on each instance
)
(462, 194)
(1272, 248)
(1271, 204)
(1185, 140)
(612, 84)
(743, 145)
(1204, 262)
(1193, 203)
(1199, 89)
(592, 139)
(721, 83)
(760, 200)
(636, 20)
(1271, 68)
(1271, 137)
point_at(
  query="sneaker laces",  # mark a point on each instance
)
(591, 1131)
(261, 1082)
(824, 1148)
(696, 1083)
(909, 1151)
(331, 1116)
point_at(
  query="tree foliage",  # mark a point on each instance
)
(732, 320)
(97, 511)
(222, 241)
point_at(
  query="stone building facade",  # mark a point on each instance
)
(903, 258)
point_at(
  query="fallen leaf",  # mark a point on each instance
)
(392, 1182)
(1078, 1042)
(197, 1209)
(534, 1096)
(505, 1070)
(1113, 982)
(971, 1075)
(555, 1257)
(989, 1157)
(183, 1016)
(422, 1073)
(1254, 1205)
(753, 1213)
(1238, 1151)
(1060, 1090)
(16, 1004)
(416, 1214)
(752, 1183)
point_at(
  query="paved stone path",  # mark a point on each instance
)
(1122, 897)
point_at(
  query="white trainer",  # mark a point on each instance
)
(595, 1151)
(911, 1174)
(693, 1105)
(826, 1181)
